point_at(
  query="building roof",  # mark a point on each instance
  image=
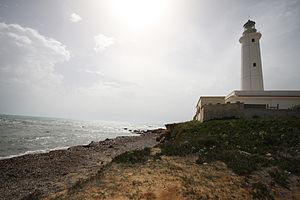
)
(265, 93)
(203, 97)
(249, 24)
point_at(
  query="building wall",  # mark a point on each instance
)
(207, 100)
(211, 100)
(282, 102)
(251, 74)
(237, 110)
(220, 111)
(267, 113)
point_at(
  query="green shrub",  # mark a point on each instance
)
(177, 150)
(222, 139)
(280, 177)
(240, 163)
(289, 164)
(261, 191)
(132, 157)
(295, 107)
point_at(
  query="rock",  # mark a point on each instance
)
(136, 183)
(160, 130)
(137, 131)
(92, 144)
(155, 151)
(171, 127)
(162, 139)
(220, 165)
(244, 153)
(35, 195)
(158, 138)
(163, 135)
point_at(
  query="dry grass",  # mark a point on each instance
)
(173, 178)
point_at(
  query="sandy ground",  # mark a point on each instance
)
(170, 178)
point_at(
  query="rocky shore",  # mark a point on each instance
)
(36, 176)
(219, 159)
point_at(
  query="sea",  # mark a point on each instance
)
(20, 135)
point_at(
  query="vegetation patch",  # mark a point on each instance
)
(241, 163)
(291, 164)
(261, 191)
(280, 177)
(133, 157)
(245, 145)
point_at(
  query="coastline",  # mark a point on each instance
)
(40, 151)
(46, 173)
(219, 159)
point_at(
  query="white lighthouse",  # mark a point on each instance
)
(251, 67)
(252, 100)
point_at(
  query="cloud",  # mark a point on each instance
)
(92, 72)
(4, 5)
(102, 42)
(28, 58)
(75, 18)
(107, 81)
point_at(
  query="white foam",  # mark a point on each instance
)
(33, 152)
(40, 134)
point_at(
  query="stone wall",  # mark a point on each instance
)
(238, 110)
(268, 113)
(221, 111)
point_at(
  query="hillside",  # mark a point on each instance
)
(220, 159)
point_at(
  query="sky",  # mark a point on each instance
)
(137, 60)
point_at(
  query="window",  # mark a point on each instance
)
(253, 40)
(254, 64)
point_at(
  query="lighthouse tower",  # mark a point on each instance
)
(252, 100)
(251, 69)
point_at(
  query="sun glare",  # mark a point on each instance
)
(138, 14)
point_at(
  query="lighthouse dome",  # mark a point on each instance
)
(249, 24)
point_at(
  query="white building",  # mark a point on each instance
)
(251, 71)
(252, 93)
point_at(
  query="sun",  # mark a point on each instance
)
(138, 14)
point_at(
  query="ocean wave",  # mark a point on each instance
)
(37, 134)
(34, 152)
